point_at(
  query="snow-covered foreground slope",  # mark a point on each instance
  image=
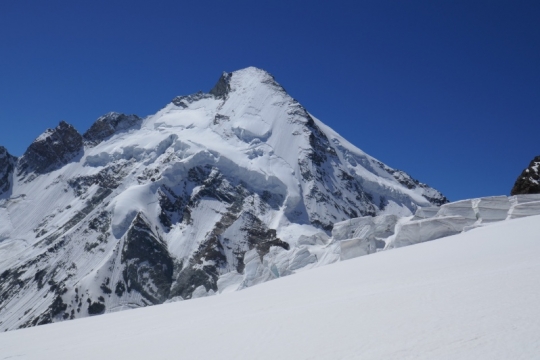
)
(470, 296)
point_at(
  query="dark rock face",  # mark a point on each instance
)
(184, 100)
(108, 178)
(51, 150)
(108, 125)
(148, 264)
(171, 207)
(220, 118)
(14, 282)
(218, 254)
(7, 164)
(319, 168)
(204, 268)
(222, 88)
(96, 308)
(258, 236)
(529, 180)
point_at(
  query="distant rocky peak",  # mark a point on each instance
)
(7, 163)
(52, 149)
(529, 180)
(109, 124)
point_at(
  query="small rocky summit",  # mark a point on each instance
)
(109, 124)
(52, 149)
(529, 180)
(7, 164)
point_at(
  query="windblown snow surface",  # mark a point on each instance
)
(474, 295)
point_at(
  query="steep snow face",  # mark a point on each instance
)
(215, 192)
(470, 296)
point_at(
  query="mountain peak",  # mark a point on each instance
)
(529, 180)
(242, 79)
(109, 124)
(212, 192)
(253, 73)
(53, 148)
(250, 77)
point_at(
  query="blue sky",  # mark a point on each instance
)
(448, 91)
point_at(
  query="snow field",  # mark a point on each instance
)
(470, 296)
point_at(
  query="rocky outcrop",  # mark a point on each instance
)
(183, 101)
(51, 150)
(7, 164)
(529, 180)
(148, 264)
(108, 125)
(222, 87)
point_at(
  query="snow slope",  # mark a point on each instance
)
(469, 296)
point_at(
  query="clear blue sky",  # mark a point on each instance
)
(448, 91)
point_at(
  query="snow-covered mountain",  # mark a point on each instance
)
(470, 296)
(215, 192)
